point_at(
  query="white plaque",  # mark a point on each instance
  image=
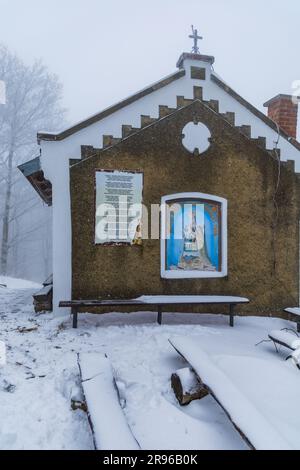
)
(118, 206)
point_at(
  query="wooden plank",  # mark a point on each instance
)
(43, 293)
(155, 300)
(296, 312)
(48, 281)
(211, 392)
(107, 420)
(98, 303)
(221, 388)
(284, 338)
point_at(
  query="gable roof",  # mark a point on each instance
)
(33, 172)
(254, 110)
(91, 152)
(112, 109)
(158, 85)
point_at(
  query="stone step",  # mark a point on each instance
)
(109, 140)
(87, 151)
(229, 117)
(213, 104)
(128, 130)
(165, 111)
(182, 101)
(244, 129)
(289, 164)
(261, 142)
(147, 120)
(275, 153)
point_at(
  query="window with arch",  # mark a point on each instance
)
(193, 236)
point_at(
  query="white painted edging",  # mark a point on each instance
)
(109, 426)
(167, 274)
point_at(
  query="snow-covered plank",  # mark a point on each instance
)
(294, 311)
(43, 292)
(191, 299)
(295, 356)
(109, 426)
(260, 429)
(48, 281)
(158, 300)
(285, 338)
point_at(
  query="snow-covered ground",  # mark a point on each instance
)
(14, 283)
(41, 374)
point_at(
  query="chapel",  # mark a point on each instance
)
(183, 188)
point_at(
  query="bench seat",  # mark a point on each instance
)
(157, 300)
(295, 311)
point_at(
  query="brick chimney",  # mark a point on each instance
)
(283, 110)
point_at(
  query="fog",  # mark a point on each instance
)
(103, 51)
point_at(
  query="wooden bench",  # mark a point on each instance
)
(295, 311)
(284, 338)
(159, 301)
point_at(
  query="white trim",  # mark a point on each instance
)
(167, 274)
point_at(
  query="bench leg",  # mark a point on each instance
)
(231, 315)
(75, 317)
(298, 326)
(159, 315)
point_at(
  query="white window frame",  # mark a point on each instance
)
(168, 274)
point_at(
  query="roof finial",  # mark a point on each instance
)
(195, 37)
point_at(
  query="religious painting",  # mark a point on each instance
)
(193, 242)
(118, 207)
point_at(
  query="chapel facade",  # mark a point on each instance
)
(183, 188)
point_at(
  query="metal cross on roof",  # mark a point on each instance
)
(195, 37)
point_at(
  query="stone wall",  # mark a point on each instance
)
(263, 229)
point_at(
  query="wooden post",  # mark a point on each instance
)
(159, 314)
(75, 316)
(231, 315)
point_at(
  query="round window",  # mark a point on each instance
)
(196, 137)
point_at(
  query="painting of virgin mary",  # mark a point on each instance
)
(194, 238)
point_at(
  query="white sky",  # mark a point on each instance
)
(104, 50)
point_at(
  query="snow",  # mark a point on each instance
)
(190, 299)
(235, 381)
(296, 357)
(45, 290)
(110, 427)
(295, 310)
(41, 376)
(290, 339)
(188, 379)
(13, 283)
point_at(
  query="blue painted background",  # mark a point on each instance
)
(174, 247)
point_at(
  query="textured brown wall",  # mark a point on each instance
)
(262, 261)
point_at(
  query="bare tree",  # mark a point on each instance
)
(33, 103)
